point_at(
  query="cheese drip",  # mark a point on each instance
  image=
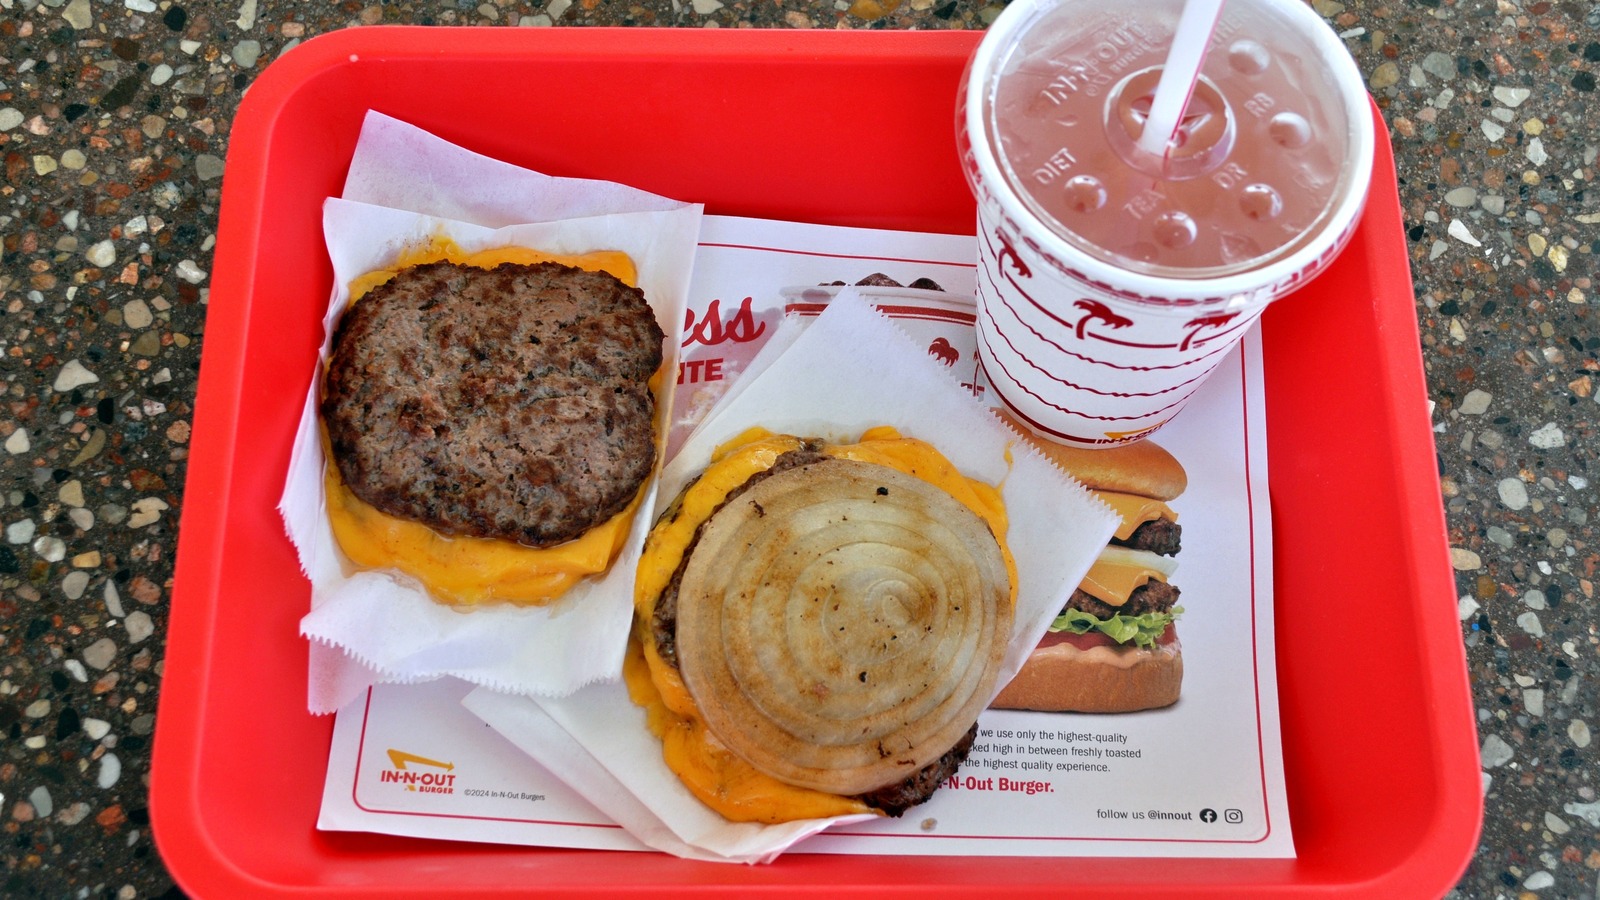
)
(1115, 576)
(1135, 511)
(468, 571)
(1112, 583)
(720, 779)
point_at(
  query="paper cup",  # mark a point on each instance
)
(1082, 338)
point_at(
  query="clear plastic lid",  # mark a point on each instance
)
(1263, 152)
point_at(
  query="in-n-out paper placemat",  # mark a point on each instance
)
(1218, 749)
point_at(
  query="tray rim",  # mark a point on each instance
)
(176, 822)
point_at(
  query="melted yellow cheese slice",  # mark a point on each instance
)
(720, 779)
(1112, 583)
(1135, 511)
(443, 249)
(468, 571)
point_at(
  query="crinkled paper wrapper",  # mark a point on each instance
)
(407, 189)
(845, 371)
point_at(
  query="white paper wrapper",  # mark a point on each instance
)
(848, 370)
(373, 626)
(403, 167)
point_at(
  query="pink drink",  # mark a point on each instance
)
(1112, 281)
(1255, 171)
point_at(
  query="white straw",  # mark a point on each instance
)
(1179, 75)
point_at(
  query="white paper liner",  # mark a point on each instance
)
(401, 166)
(847, 370)
(372, 626)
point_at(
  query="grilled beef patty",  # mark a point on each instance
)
(892, 799)
(507, 403)
(1160, 536)
(895, 799)
(1152, 596)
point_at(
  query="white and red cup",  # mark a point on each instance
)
(1095, 354)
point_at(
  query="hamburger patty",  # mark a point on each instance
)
(1160, 536)
(664, 618)
(893, 799)
(1152, 596)
(508, 403)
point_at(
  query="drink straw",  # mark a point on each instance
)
(1178, 76)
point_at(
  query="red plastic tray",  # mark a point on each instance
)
(847, 128)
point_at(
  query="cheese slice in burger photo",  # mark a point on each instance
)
(818, 625)
(1114, 646)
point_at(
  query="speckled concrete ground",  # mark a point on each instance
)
(114, 119)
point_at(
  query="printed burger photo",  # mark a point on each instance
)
(1114, 647)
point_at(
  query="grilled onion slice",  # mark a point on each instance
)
(841, 624)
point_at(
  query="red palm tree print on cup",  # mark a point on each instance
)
(1216, 320)
(1094, 310)
(1007, 251)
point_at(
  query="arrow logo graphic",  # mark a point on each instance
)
(399, 758)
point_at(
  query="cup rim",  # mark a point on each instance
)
(1002, 35)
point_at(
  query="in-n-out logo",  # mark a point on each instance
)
(421, 778)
